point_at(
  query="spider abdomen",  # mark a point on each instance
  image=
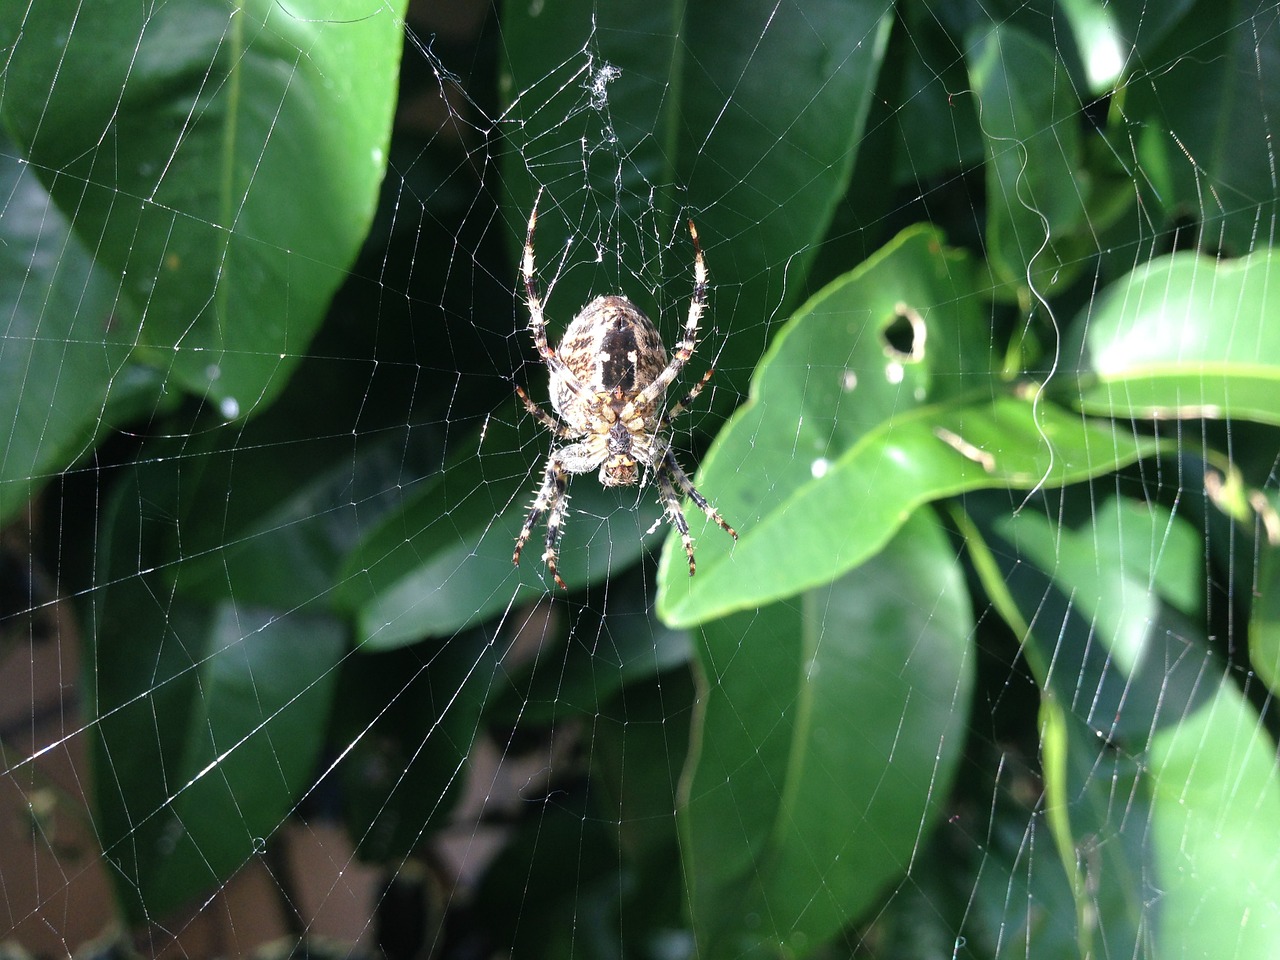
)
(611, 348)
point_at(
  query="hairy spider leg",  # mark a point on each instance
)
(683, 350)
(675, 513)
(537, 318)
(552, 499)
(683, 404)
(672, 466)
(551, 423)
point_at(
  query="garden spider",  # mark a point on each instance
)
(608, 379)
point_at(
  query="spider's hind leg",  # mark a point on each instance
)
(671, 504)
(552, 499)
(672, 466)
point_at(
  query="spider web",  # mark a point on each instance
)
(270, 677)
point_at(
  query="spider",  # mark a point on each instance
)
(608, 379)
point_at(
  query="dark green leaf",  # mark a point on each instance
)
(1199, 110)
(296, 487)
(443, 560)
(629, 645)
(1264, 622)
(223, 160)
(828, 734)
(63, 353)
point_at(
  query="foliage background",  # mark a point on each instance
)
(988, 672)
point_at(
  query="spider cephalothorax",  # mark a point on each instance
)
(609, 377)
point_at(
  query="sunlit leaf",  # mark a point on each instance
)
(1183, 336)
(845, 435)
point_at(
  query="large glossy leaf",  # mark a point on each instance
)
(828, 733)
(1183, 336)
(746, 115)
(1137, 707)
(222, 160)
(207, 719)
(845, 435)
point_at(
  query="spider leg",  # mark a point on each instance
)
(671, 503)
(681, 479)
(544, 418)
(683, 350)
(679, 408)
(551, 499)
(537, 315)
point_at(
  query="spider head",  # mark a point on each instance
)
(618, 471)
(619, 466)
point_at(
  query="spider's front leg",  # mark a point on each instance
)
(552, 499)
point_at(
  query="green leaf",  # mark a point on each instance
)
(844, 435)
(932, 69)
(1136, 707)
(207, 721)
(1036, 188)
(442, 561)
(63, 353)
(1183, 336)
(639, 95)
(828, 734)
(222, 160)
(1264, 620)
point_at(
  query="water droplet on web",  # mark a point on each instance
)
(820, 467)
(229, 408)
